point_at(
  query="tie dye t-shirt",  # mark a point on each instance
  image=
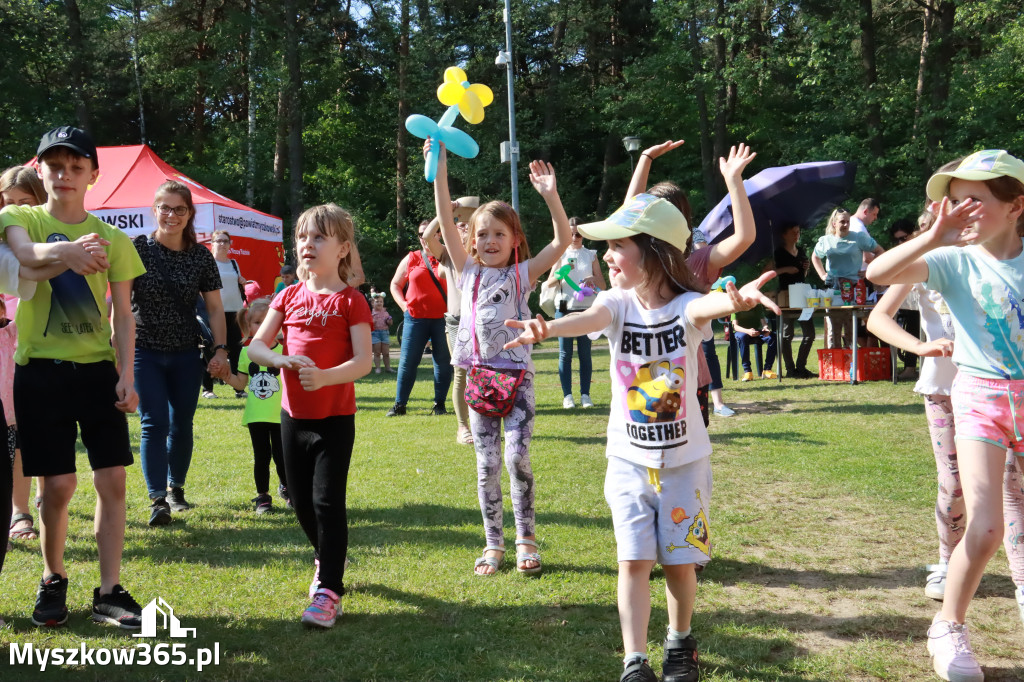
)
(655, 419)
(984, 296)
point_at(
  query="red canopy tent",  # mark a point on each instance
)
(123, 197)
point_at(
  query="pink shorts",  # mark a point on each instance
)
(989, 410)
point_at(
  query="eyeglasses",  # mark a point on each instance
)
(176, 210)
(221, 241)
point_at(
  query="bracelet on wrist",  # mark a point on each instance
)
(220, 346)
(647, 155)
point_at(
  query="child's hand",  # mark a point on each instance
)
(939, 348)
(535, 331)
(542, 177)
(750, 296)
(439, 150)
(740, 157)
(311, 378)
(659, 149)
(86, 255)
(954, 224)
(295, 362)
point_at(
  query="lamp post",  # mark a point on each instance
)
(632, 144)
(510, 148)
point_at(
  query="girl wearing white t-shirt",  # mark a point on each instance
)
(585, 272)
(658, 482)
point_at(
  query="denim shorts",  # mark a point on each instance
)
(380, 336)
(989, 410)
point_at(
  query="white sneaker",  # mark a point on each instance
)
(950, 649)
(568, 403)
(1020, 601)
(724, 411)
(585, 401)
(935, 583)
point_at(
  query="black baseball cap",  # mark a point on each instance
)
(287, 269)
(75, 139)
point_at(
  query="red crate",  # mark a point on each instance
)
(873, 364)
(834, 364)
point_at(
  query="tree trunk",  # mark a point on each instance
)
(611, 158)
(136, 22)
(76, 64)
(291, 30)
(721, 97)
(199, 92)
(922, 65)
(706, 150)
(402, 153)
(867, 59)
(250, 89)
(551, 107)
(280, 154)
(940, 61)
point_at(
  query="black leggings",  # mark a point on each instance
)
(317, 453)
(266, 446)
(6, 488)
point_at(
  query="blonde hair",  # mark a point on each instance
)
(25, 179)
(831, 227)
(245, 316)
(329, 220)
(507, 215)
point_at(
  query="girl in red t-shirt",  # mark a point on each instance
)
(326, 347)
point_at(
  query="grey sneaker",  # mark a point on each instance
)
(160, 512)
(176, 498)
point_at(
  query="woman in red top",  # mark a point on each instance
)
(424, 302)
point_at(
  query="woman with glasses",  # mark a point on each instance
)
(584, 270)
(233, 297)
(168, 366)
(419, 292)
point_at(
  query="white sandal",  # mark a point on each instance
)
(493, 562)
(527, 556)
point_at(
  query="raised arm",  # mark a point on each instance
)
(443, 205)
(904, 264)
(436, 248)
(542, 177)
(638, 183)
(732, 247)
(722, 304)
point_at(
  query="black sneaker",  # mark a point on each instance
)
(117, 608)
(639, 670)
(160, 512)
(264, 503)
(51, 602)
(176, 498)
(438, 410)
(680, 663)
(241, 394)
(397, 410)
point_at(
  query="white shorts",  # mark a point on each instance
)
(672, 526)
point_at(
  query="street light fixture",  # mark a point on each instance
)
(632, 144)
(510, 148)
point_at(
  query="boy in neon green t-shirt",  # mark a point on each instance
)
(75, 369)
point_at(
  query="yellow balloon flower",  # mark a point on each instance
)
(471, 99)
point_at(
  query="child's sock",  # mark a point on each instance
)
(677, 635)
(630, 657)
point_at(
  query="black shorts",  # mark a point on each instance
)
(52, 400)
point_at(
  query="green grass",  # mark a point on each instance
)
(821, 521)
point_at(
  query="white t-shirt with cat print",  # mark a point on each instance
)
(496, 302)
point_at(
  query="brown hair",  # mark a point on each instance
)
(23, 178)
(329, 220)
(188, 234)
(672, 193)
(62, 152)
(503, 213)
(664, 265)
(248, 312)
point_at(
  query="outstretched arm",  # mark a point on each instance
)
(593, 319)
(722, 304)
(542, 177)
(443, 205)
(638, 183)
(882, 325)
(732, 247)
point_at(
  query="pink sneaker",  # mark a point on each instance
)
(323, 610)
(950, 649)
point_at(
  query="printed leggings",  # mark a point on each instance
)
(487, 442)
(949, 505)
